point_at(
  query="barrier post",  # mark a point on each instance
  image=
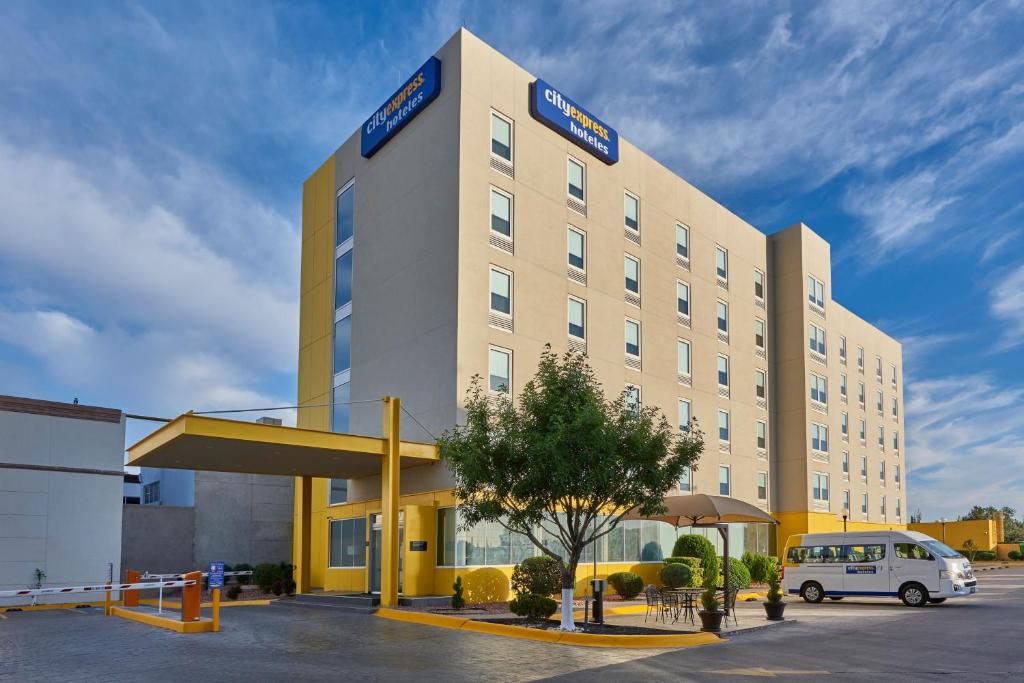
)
(106, 602)
(130, 598)
(216, 610)
(190, 596)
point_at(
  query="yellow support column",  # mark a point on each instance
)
(389, 504)
(303, 532)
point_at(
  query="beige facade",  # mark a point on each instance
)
(422, 324)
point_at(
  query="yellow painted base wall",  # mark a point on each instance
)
(791, 523)
(954, 534)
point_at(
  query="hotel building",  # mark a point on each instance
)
(462, 228)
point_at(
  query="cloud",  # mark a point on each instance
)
(1007, 304)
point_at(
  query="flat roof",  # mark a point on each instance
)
(35, 406)
(198, 442)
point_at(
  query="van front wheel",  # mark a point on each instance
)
(914, 595)
(812, 592)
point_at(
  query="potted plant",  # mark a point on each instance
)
(711, 615)
(774, 607)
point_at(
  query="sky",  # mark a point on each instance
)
(152, 157)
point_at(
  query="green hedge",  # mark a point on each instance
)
(694, 563)
(541, 575)
(676, 575)
(739, 575)
(533, 606)
(626, 584)
(693, 545)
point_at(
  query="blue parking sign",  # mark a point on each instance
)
(216, 575)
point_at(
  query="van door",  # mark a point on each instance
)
(912, 562)
(866, 568)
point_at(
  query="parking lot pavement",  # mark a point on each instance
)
(975, 638)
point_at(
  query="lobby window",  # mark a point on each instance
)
(816, 337)
(723, 317)
(632, 270)
(846, 462)
(724, 486)
(860, 358)
(761, 430)
(501, 291)
(842, 385)
(723, 371)
(345, 215)
(631, 212)
(500, 370)
(501, 213)
(632, 338)
(577, 174)
(842, 349)
(577, 318)
(686, 480)
(342, 345)
(759, 333)
(684, 415)
(343, 279)
(577, 249)
(819, 393)
(819, 438)
(864, 466)
(758, 285)
(862, 430)
(819, 487)
(501, 137)
(721, 263)
(683, 357)
(844, 425)
(759, 381)
(723, 426)
(816, 291)
(633, 399)
(762, 486)
(682, 298)
(864, 504)
(348, 543)
(682, 241)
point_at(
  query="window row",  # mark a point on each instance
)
(819, 435)
(820, 497)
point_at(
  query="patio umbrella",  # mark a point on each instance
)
(702, 510)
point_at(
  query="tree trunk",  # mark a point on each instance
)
(568, 588)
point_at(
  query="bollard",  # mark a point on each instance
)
(190, 596)
(106, 603)
(216, 610)
(130, 598)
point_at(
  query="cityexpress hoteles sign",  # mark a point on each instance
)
(402, 107)
(565, 117)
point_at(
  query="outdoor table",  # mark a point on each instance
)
(687, 606)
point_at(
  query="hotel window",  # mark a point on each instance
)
(892, 375)
(682, 298)
(631, 212)
(762, 486)
(723, 371)
(842, 349)
(759, 333)
(343, 279)
(339, 416)
(758, 285)
(723, 317)
(682, 241)
(683, 357)
(819, 438)
(819, 486)
(345, 218)
(881, 472)
(761, 429)
(819, 393)
(577, 318)
(686, 480)
(347, 543)
(864, 503)
(577, 180)
(577, 249)
(501, 213)
(501, 291)
(500, 370)
(633, 399)
(338, 492)
(759, 378)
(816, 291)
(721, 263)
(864, 466)
(881, 438)
(724, 487)
(862, 430)
(342, 345)
(816, 337)
(632, 338)
(842, 385)
(501, 137)
(860, 394)
(895, 441)
(846, 462)
(878, 368)
(844, 425)
(723, 426)
(898, 508)
(632, 268)
(881, 505)
(846, 502)
(896, 476)
(860, 358)
(151, 493)
(878, 402)
(684, 415)
(895, 408)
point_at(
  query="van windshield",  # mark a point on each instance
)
(940, 549)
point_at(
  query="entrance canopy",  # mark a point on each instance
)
(197, 442)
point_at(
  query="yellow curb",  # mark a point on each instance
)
(677, 640)
(201, 626)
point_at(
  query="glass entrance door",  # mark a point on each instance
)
(376, 538)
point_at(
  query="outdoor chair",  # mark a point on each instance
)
(670, 604)
(653, 601)
(730, 603)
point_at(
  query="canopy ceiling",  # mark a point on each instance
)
(704, 509)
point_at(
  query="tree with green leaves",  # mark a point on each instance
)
(1013, 528)
(563, 461)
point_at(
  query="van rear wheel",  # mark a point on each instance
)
(914, 595)
(812, 592)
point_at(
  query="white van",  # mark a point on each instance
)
(905, 564)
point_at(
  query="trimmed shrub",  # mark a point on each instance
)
(458, 602)
(739, 575)
(984, 556)
(540, 575)
(274, 578)
(533, 606)
(759, 566)
(676, 575)
(1016, 555)
(694, 545)
(694, 563)
(233, 591)
(626, 584)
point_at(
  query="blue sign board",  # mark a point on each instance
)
(861, 569)
(402, 107)
(215, 576)
(556, 111)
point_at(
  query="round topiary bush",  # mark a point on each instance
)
(626, 584)
(693, 545)
(541, 575)
(695, 564)
(739, 575)
(533, 606)
(676, 575)
(1015, 555)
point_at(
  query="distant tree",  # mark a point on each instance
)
(563, 460)
(1013, 528)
